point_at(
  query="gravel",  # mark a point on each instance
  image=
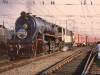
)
(37, 66)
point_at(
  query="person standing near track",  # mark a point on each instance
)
(98, 49)
(98, 46)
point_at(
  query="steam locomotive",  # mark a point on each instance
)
(35, 36)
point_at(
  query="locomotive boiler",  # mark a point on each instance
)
(34, 36)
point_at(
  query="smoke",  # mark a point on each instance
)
(29, 6)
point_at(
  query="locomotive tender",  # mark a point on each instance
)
(34, 36)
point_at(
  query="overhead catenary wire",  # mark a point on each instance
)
(35, 11)
(58, 9)
(85, 18)
(54, 5)
(48, 10)
(94, 9)
(28, 7)
(14, 7)
(36, 8)
(43, 14)
(90, 15)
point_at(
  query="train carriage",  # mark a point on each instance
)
(90, 40)
(79, 39)
(97, 39)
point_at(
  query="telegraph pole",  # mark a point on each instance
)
(70, 23)
(66, 24)
(3, 23)
(3, 30)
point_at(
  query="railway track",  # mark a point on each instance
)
(65, 67)
(94, 67)
(89, 62)
(20, 62)
(7, 64)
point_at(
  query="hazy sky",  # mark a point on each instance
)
(82, 16)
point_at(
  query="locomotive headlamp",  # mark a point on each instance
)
(25, 26)
(22, 33)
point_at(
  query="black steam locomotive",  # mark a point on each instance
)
(34, 36)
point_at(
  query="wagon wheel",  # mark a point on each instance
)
(45, 49)
(61, 45)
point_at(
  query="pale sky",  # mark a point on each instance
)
(78, 15)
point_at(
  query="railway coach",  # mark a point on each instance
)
(79, 39)
(84, 40)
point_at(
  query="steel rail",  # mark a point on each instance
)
(23, 61)
(89, 62)
(62, 63)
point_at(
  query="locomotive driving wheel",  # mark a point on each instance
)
(47, 49)
(52, 46)
(31, 52)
